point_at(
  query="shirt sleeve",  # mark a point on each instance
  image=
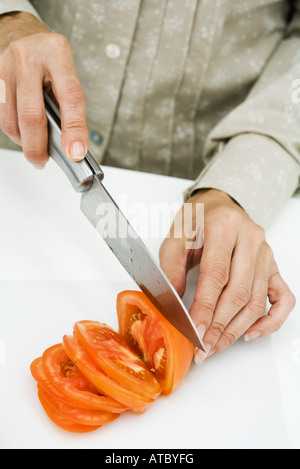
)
(253, 154)
(8, 6)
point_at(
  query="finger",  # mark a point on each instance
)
(238, 290)
(283, 303)
(32, 116)
(71, 99)
(8, 113)
(173, 260)
(256, 306)
(214, 274)
(178, 254)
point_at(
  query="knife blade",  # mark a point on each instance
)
(111, 224)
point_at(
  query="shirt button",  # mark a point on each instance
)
(96, 138)
(113, 51)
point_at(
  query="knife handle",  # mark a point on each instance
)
(80, 174)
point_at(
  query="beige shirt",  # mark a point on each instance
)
(207, 90)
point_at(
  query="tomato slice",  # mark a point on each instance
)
(60, 420)
(113, 355)
(38, 373)
(166, 352)
(77, 353)
(89, 417)
(58, 375)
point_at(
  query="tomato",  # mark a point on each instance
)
(166, 352)
(58, 376)
(94, 375)
(41, 378)
(113, 355)
(78, 354)
(89, 417)
(60, 420)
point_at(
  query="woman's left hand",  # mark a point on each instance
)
(237, 273)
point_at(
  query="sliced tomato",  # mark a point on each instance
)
(166, 352)
(114, 356)
(57, 375)
(60, 420)
(98, 373)
(89, 417)
(78, 354)
(41, 378)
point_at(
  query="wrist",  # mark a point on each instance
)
(209, 193)
(15, 25)
(214, 196)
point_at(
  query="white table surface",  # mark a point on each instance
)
(55, 270)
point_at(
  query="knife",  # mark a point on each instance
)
(102, 211)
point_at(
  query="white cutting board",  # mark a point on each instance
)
(232, 401)
(54, 271)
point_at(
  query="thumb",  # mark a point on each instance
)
(173, 257)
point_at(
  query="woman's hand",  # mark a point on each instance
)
(237, 273)
(33, 57)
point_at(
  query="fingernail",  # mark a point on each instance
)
(211, 353)
(251, 336)
(77, 151)
(38, 165)
(201, 330)
(197, 359)
(200, 356)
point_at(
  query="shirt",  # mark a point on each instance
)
(207, 90)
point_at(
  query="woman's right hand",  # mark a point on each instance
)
(32, 57)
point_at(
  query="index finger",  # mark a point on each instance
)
(215, 264)
(71, 99)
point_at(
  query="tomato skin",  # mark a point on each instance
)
(60, 420)
(43, 382)
(77, 353)
(179, 350)
(75, 389)
(107, 348)
(90, 417)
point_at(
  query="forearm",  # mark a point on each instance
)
(253, 154)
(256, 172)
